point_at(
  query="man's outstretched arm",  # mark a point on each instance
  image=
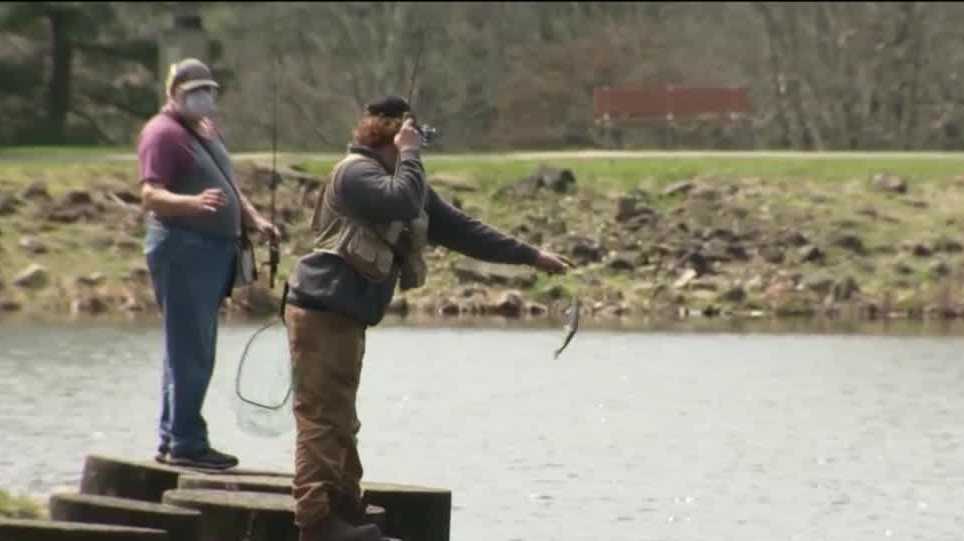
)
(455, 230)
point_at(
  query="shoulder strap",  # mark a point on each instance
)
(227, 177)
(335, 174)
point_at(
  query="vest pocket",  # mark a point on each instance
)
(368, 254)
(362, 247)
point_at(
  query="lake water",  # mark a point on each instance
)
(656, 435)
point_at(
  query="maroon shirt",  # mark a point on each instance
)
(169, 156)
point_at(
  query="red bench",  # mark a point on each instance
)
(673, 116)
(614, 104)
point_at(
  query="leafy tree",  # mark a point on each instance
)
(80, 64)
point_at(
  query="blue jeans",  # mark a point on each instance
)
(191, 274)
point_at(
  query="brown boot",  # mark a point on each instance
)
(333, 528)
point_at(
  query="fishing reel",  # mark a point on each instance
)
(428, 133)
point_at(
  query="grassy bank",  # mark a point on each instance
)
(12, 506)
(754, 223)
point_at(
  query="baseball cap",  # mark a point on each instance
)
(389, 106)
(189, 74)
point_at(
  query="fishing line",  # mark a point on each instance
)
(249, 419)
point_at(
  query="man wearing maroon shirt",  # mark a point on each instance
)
(194, 220)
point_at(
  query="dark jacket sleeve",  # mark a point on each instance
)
(372, 195)
(455, 230)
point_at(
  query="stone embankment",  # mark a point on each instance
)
(704, 247)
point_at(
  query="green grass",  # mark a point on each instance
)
(626, 173)
(59, 152)
(63, 176)
(613, 171)
(18, 507)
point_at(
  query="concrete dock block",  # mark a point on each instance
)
(48, 530)
(238, 516)
(120, 478)
(147, 480)
(179, 523)
(243, 483)
(413, 513)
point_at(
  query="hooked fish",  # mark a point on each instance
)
(572, 324)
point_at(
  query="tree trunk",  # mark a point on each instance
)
(787, 138)
(915, 59)
(58, 89)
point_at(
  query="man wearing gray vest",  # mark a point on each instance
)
(194, 220)
(373, 220)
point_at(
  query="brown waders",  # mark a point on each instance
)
(326, 356)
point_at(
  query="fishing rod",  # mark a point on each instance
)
(274, 257)
(418, 58)
(575, 307)
(572, 324)
(273, 248)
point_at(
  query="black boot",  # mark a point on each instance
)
(333, 528)
(350, 510)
